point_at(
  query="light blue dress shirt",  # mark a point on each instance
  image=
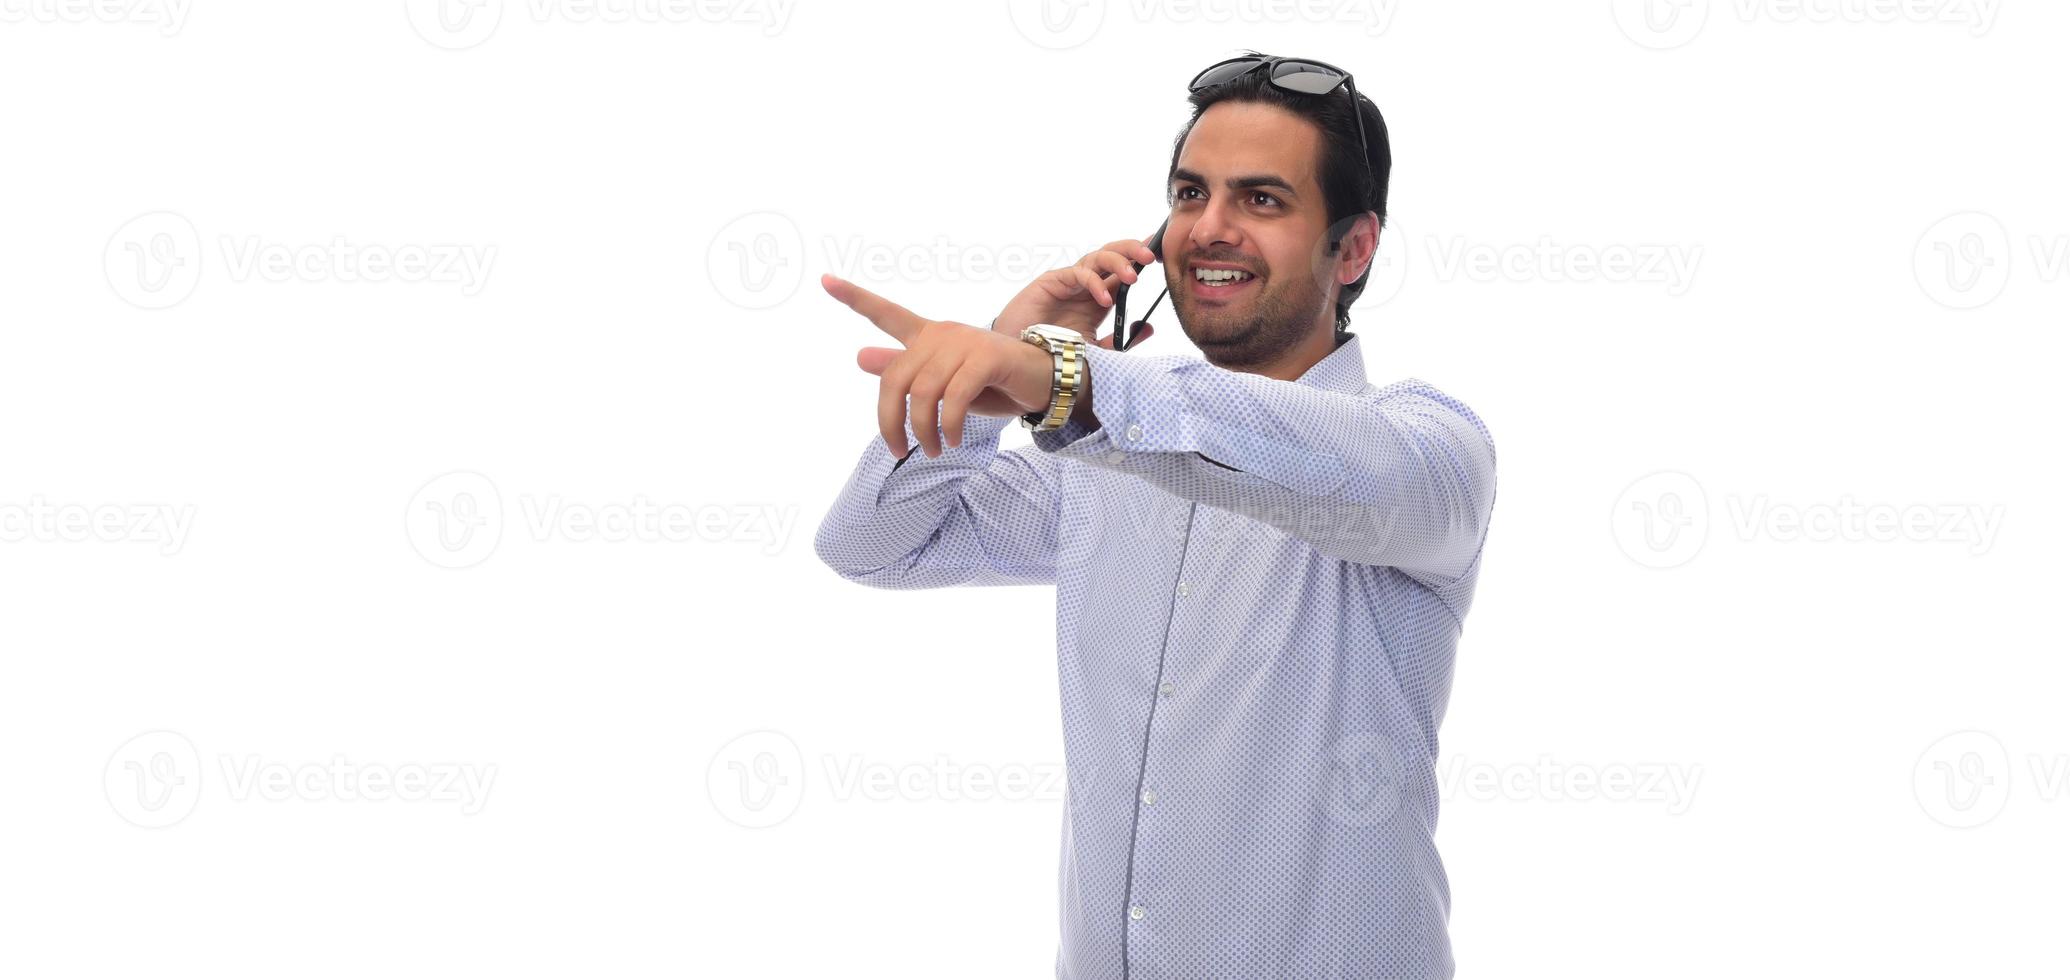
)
(1260, 585)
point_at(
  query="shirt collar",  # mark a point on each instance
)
(1343, 369)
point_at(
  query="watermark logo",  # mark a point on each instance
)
(248, 257)
(457, 520)
(1662, 519)
(341, 780)
(1664, 24)
(1363, 786)
(1963, 780)
(167, 16)
(154, 260)
(1670, 785)
(757, 779)
(1672, 266)
(757, 260)
(42, 522)
(1660, 24)
(1057, 24)
(1061, 24)
(154, 779)
(456, 25)
(760, 779)
(1966, 260)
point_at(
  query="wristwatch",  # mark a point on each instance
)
(1067, 352)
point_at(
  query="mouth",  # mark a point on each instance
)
(1218, 282)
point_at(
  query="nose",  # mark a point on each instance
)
(1213, 228)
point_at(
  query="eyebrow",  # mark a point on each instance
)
(1240, 183)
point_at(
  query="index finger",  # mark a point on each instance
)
(896, 320)
(1135, 251)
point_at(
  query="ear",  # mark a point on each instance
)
(1358, 247)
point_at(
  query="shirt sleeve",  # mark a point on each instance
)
(972, 516)
(1402, 476)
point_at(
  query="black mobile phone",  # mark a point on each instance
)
(1124, 332)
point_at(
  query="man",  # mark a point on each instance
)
(1262, 561)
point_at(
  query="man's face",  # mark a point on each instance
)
(1245, 197)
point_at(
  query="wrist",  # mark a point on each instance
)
(1055, 376)
(1082, 409)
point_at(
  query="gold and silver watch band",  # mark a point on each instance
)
(1067, 362)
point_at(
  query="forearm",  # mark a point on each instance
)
(1403, 477)
(971, 516)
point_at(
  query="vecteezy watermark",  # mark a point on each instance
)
(1662, 520)
(1335, 528)
(249, 257)
(339, 779)
(1965, 779)
(1671, 785)
(1366, 780)
(155, 261)
(1671, 266)
(156, 780)
(1061, 24)
(1668, 266)
(456, 520)
(757, 260)
(42, 522)
(168, 16)
(456, 25)
(1664, 24)
(943, 779)
(759, 779)
(1965, 260)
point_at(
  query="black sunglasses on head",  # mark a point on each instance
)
(1302, 75)
(1295, 75)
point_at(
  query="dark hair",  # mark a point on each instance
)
(1339, 171)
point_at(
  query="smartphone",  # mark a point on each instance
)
(1123, 330)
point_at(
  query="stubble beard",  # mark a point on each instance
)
(1276, 322)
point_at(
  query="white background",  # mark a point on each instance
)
(651, 196)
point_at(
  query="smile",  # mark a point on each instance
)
(1220, 283)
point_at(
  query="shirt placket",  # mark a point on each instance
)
(1150, 895)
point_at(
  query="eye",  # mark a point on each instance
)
(1274, 202)
(1181, 192)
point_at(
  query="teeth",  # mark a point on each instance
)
(1220, 275)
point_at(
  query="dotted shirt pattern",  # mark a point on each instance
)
(1260, 586)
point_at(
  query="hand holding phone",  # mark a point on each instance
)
(1126, 334)
(1077, 296)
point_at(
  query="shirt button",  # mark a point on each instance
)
(1165, 688)
(1183, 590)
(1135, 911)
(1135, 433)
(1149, 796)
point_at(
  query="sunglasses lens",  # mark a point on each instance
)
(1217, 74)
(1306, 77)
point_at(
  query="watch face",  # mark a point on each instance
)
(1053, 332)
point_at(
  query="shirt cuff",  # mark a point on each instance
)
(980, 443)
(1135, 400)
